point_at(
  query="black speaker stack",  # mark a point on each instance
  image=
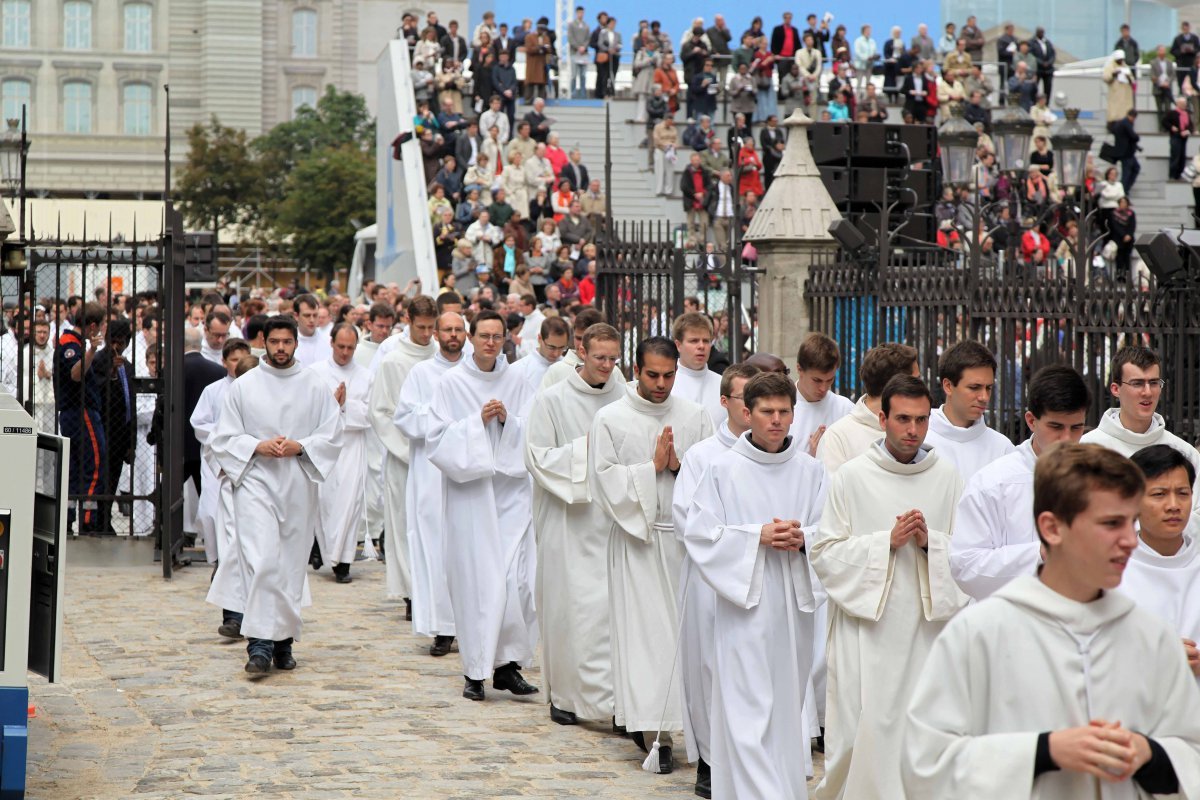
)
(869, 165)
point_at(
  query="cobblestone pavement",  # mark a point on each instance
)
(154, 704)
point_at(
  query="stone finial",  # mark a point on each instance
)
(798, 206)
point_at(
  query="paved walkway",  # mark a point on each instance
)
(155, 705)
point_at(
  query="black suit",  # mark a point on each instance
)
(454, 47)
(767, 139)
(508, 45)
(1126, 146)
(576, 175)
(535, 119)
(1045, 56)
(117, 415)
(1178, 142)
(463, 151)
(198, 372)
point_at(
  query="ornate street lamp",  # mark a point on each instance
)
(957, 140)
(1012, 133)
(10, 159)
(1071, 147)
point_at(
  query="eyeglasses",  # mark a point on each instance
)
(734, 396)
(1140, 383)
(491, 337)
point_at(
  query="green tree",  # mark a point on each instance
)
(321, 195)
(221, 183)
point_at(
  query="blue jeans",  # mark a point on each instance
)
(578, 81)
(1129, 172)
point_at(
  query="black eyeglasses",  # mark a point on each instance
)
(1141, 383)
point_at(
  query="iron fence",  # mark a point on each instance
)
(644, 281)
(1028, 317)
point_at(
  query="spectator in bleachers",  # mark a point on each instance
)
(467, 148)
(695, 186)
(750, 169)
(538, 46)
(917, 90)
(974, 111)
(555, 154)
(694, 50)
(538, 172)
(454, 47)
(819, 32)
(501, 209)
(522, 143)
(487, 26)
(773, 140)
(719, 39)
(785, 41)
(424, 118)
(699, 134)
(666, 140)
(645, 63)
(1120, 79)
(1006, 51)
(482, 90)
(445, 236)
(1043, 50)
(606, 41)
(1024, 55)
(957, 62)
(950, 92)
(872, 104)
(410, 33)
(539, 123)
(740, 130)
(714, 159)
(974, 39)
(422, 81)
(575, 172)
(744, 54)
(755, 30)
(468, 210)
(1024, 85)
(428, 50)
(1185, 48)
(504, 83)
(573, 229)
(976, 81)
(866, 55)
(503, 42)
(495, 117)
(702, 91)
(1123, 231)
(594, 206)
(1126, 43)
(838, 107)
(668, 80)
(1162, 78)
(742, 91)
(578, 34)
(656, 109)
(450, 84)
(1126, 146)
(763, 70)
(893, 49)
(514, 182)
(923, 43)
(839, 45)
(1179, 127)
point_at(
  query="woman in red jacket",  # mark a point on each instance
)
(750, 166)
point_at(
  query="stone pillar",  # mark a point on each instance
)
(790, 230)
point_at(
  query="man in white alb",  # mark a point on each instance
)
(528, 308)
(1058, 687)
(343, 494)
(746, 532)
(476, 439)
(415, 346)
(432, 614)
(697, 608)
(572, 533)
(565, 368)
(817, 406)
(634, 453)
(693, 335)
(551, 341)
(967, 371)
(312, 346)
(380, 319)
(882, 554)
(995, 539)
(853, 434)
(1163, 574)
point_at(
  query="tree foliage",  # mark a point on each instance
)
(300, 183)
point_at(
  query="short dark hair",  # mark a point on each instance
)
(217, 316)
(280, 323)
(768, 384)
(818, 352)
(903, 386)
(1159, 459)
(256, 325)
(307, 300)
(962, 356)
(883, 362)
(1141, 357)
(119, 330)
(448, 299)
(554, 326)
(92, 314)
(232, 345)
(586, 319)
(423, 306)
(339, 327)
(485, 316)
(148, 320)
(655, 345)
(381, 311)
(1057, 389)
(733, 371)
(1066, 473)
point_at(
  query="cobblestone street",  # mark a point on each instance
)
(154, 704)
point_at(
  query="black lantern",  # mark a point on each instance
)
(1012, 133)
(957, 140)
(1071, 147)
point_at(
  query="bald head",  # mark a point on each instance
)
(191, 339)
(767, 362)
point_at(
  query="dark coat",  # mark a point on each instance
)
(1126, 139)
(198, 372)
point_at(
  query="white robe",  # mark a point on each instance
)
(274, 499)
(968, 449)
(696, 615)
(702, 387)
(363, 355)
(1028, 661)
(313, 349)
(204, 420)
(849, 437)
(145, 470)
(211, 354)
(561, 370)
(392, 371)
(532, 369)
(1167, 586)
(1115, 436)
(886, 608)
(995, 538)
(763, 623)
(529, 333)
(808, 419)
(343, 493)
(488, 542)
(643, 553)
(432, 612)
(572, 547)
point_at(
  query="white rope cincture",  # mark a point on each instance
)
(652, 763)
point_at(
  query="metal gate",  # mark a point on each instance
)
(123, 410)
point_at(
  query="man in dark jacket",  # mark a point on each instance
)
(111, 376)
(702, 92)
(1179, 127)
(504, 83)
(1043, 50)
(1006, 48)
(719, 37)
(198, 372)
(820, 34)
(785, 41)
(695, 184)
(1185, 48)
(454, 47)
(1126, 147)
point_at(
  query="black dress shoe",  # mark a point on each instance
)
(258, 665)
(473, 690)
(341, 573)
(619, 730)
(407, 610)
(818, 744)
(509, 679)
(665, 765)
(284, 660)
(562, 717)
(703, 779)
(639, 740)
(314, 556)
(440, 646)
(230, 629)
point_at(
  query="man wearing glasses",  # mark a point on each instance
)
(552, 340)
(1134, 425)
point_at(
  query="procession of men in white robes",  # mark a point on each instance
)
(674, 573)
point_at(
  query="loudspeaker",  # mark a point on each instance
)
(864, 188)
(829, 142)
(919, 228)
(1160, 252)
(847, 235)
(879, 144)
(199, 257)
(837, 183)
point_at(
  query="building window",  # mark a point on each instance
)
(77, 25)
(15, 93)
(77, 107)
(304, 33)
(16, 23)
(137, 27)
(303, 96)
(135, 98)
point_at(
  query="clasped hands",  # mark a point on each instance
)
(782, 534)
(279, 447)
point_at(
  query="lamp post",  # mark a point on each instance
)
(1071, 147)
(1012, 133)
(957, 140)
(14, 145)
